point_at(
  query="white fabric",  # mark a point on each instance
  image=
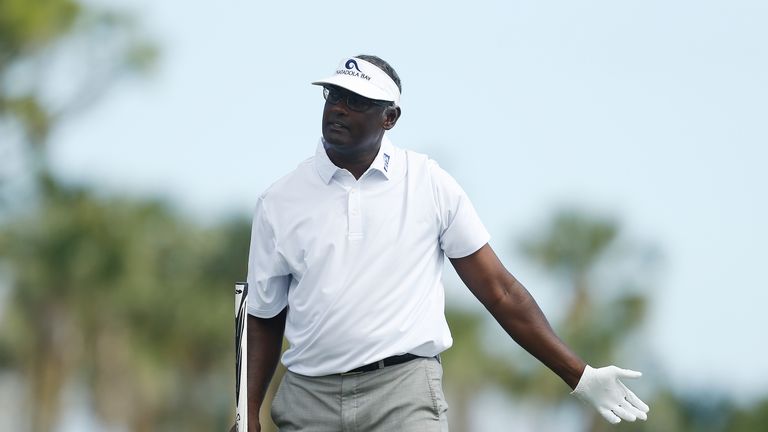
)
(364, 78)
(603, 389)
(359, 262)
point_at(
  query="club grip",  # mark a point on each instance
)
(241, 357)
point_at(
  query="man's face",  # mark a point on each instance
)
(348, 130)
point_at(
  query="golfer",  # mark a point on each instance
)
(345, 261)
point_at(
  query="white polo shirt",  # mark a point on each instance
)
(359, 262)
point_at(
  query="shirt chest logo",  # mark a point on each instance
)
(386, 162)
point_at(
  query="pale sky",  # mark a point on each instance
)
(653, 112)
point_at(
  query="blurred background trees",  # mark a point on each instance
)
(603, 277)
(131, 300)
(58, 57)
(598, 319)
(123, 296)
(596, 322)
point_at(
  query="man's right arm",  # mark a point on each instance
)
(265, 340)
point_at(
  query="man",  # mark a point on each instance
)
(346, 261)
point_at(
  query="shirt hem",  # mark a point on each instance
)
(469, 251)
(264, 313)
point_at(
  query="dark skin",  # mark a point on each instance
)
(352, 141)
(265, 339)
(517, 312)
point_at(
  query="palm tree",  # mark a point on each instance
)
(467, 365)
(42, 239)
(572, 248)
(132, 299)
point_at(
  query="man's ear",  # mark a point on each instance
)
(391, 115)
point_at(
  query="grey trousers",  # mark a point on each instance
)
(404, 398)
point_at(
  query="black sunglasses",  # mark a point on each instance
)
(354, 101)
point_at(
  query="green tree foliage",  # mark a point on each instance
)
(605, 304)
(752, 418)
(598, 318)
(570, 247)
(57, 57)
(468, 363)
(129, 298)
(27, 29)
(122, 295)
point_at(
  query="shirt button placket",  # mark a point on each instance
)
(354, 215)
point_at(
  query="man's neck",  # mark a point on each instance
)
(356, 162)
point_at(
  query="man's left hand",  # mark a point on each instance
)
(602, 389)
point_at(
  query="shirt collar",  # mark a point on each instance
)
(323, 163)
(384, 160)
(382, 163)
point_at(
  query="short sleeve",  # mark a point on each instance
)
(268, 278)
(462, 232)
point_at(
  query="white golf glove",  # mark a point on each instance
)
(602, 389)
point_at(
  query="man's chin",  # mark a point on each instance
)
(336, 142)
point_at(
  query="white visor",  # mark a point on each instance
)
(365, 79)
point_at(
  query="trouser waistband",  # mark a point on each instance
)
(389, 361)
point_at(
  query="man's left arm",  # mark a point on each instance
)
(520, 316)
